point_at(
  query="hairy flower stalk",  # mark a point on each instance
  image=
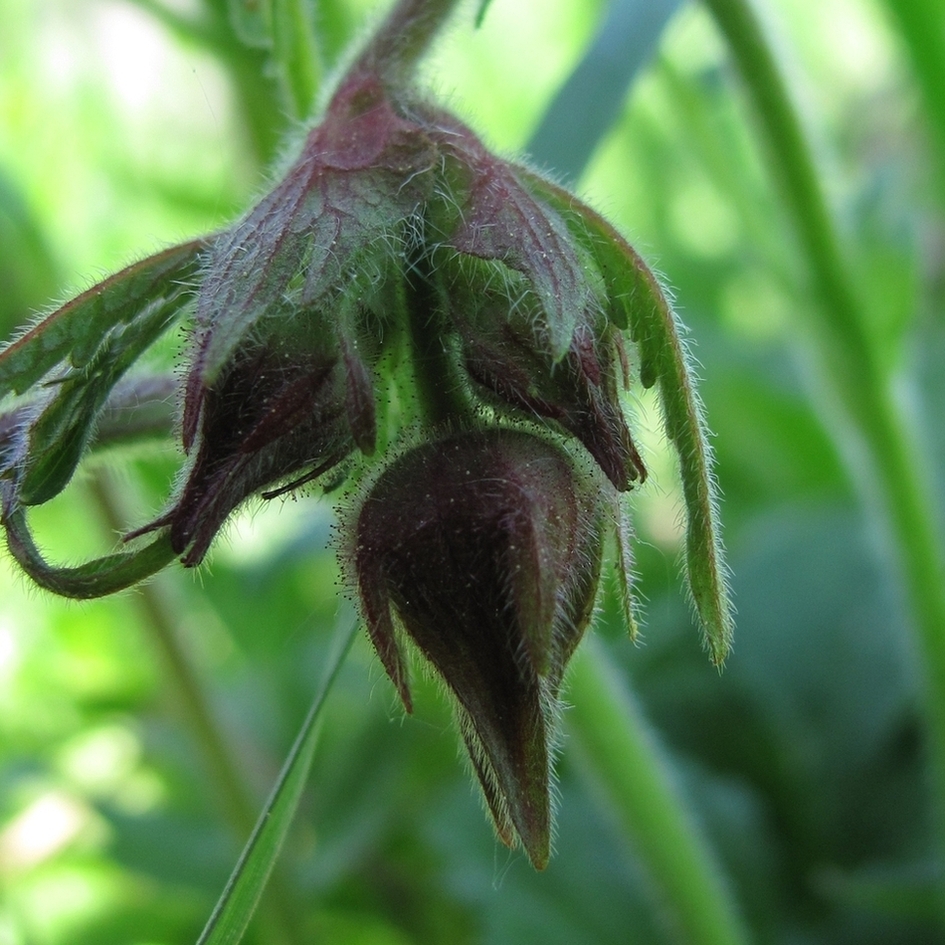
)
(398, 252)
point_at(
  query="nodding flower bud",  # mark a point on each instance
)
(278, 410)
(398, 254)
(299, 298)
(484, 549)
(507, 354)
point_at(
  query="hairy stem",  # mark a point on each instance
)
(403, 38)
(883, 456)
(627, 765)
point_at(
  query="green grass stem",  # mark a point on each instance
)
(625, 760)
(882, 450)
(159, 621)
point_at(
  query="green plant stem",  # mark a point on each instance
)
(626, 763)
(94, 578)
(236, 799)
(235, 907)
(884, 458)
(402, 39)
(922, 26)
(296, 53)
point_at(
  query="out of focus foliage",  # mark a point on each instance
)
(128, 124)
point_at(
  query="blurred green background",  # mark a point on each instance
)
(126, 125)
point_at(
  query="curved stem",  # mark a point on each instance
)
(882, 454)
(403, 38)
(97, 578)
(626, 763)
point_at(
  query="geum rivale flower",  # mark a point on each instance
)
(400, 281)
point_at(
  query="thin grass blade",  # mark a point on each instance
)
(590, 101)
(238, 902)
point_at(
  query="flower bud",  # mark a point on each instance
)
(508, 356)
(328, 238)
(301, 404)
(485, 548)
(298, 298)
(528, 300)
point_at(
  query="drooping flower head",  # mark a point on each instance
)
(484, 549)
(398, 254)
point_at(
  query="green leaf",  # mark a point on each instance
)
(77, 332)
(236, 905)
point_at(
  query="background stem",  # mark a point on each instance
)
(625, 760)
(238, 804)
(296, 53)
(883, 456)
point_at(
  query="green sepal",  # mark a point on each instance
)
(137, 410)
(635, 301)
(59, 436)
(623, 567)
(96, 578)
